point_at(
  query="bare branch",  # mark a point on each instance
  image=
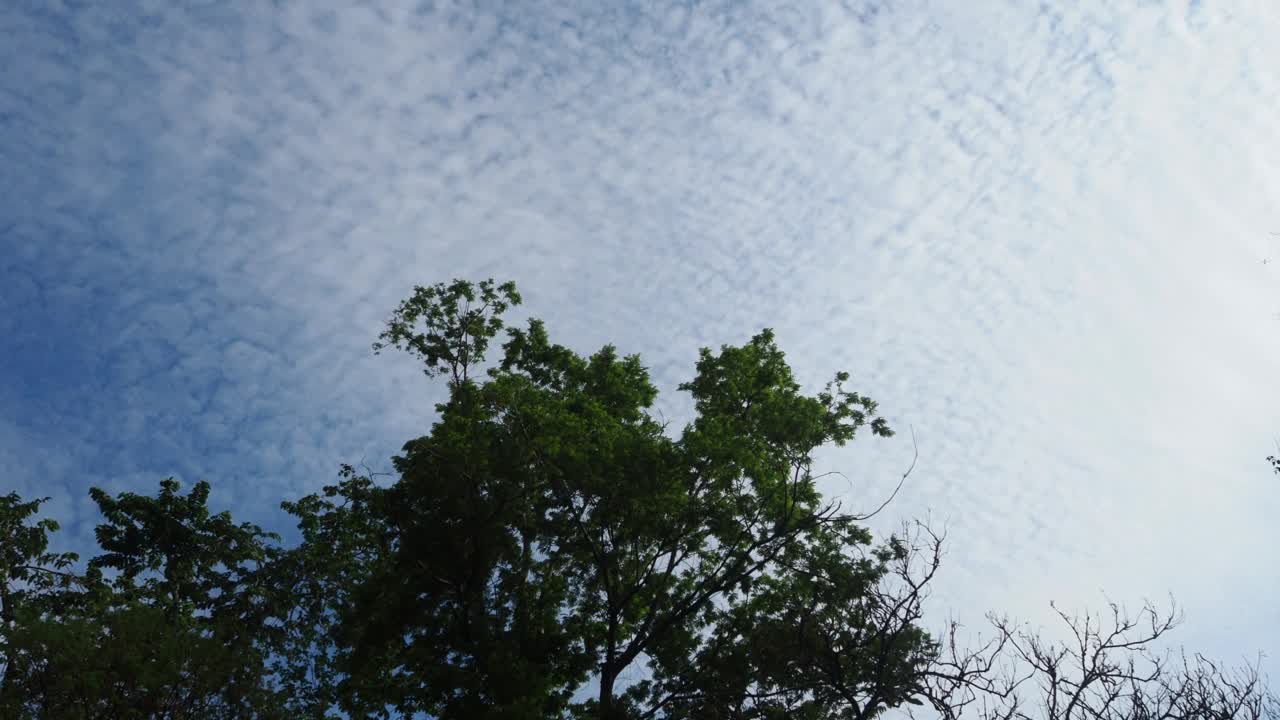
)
(915, 455)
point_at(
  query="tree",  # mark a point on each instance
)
(1110, 667)
(313, 585)
(549, 535)
(174, 634)
(551, 550)
(30, 577)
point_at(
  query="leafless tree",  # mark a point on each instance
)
(1110, 667)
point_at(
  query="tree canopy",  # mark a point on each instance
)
(550, 549)
(175, 633)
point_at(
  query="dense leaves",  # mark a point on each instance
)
(175, 633)
(549, 537)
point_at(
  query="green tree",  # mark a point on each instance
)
(550, 550)
(174, 633)
(344, 536)
(548, 535)
(30, 578)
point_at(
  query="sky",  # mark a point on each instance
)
(1044, 236)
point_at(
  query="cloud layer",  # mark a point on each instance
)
(1035, 235)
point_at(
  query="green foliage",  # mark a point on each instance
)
(195, 561)
(342, 542)
(457, 322)
(27, 570)
(175, 634)
(546, 537)
(548, 533)
(819, 637)
(133, 661)
(30, 578)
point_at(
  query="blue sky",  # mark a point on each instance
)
(1035, 233)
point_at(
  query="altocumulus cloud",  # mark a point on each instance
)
(1035, 234)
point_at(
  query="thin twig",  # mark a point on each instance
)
(915, 455)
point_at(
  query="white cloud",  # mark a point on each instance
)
(1034, 235)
